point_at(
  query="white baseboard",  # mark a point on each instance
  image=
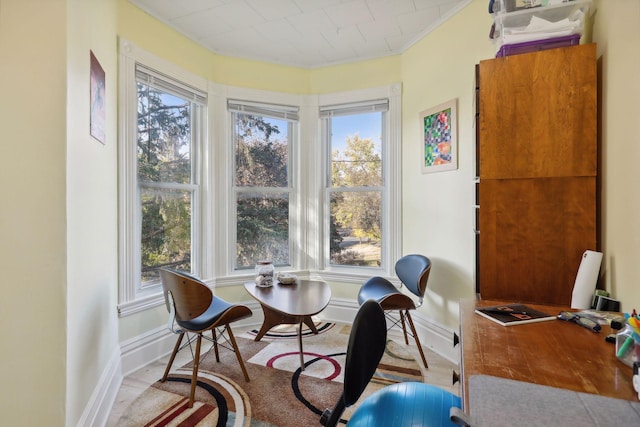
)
(96, 413)
(139, 351)
(437, 338)
(155, 344)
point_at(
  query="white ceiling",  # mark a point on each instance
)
(303, 33)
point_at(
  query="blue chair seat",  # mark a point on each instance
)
(217, 308)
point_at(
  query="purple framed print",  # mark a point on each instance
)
(439, 138)
(97, 101)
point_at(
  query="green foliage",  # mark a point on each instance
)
(163, 147)
(262, 218)
(334, 236)
(359, 166)
(263, 229)
(261, 177)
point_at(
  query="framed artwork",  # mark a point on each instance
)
(97, 100)
(439, 137)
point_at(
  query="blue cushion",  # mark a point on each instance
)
(217, 308)
(406, 404)
(376, 288)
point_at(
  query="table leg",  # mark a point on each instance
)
(273, 318)
(300, 343)
(309, 322)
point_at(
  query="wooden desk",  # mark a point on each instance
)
(554, 353)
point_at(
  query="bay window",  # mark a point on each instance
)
(215, 178)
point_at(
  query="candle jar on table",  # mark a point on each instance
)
(264, 273)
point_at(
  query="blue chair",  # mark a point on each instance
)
(413, 271)
(398, 405)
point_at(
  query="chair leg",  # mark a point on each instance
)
(236, 350)
(173, 356)
(404, 328)
(215, 344)
(416, 338)
(194, 375)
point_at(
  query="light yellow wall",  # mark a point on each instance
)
(155, 37)
(357, 75)
(33, 214)
(437, 210)
(617, 33)
(92, 206)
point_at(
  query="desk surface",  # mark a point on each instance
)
(554, 353)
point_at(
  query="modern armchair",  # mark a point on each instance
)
(195, 309)
(397, 405)
(413, 271)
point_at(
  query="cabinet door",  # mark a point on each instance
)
(538, 114)
(533, 233)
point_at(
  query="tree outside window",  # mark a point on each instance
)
(262, 189)
(165, 181)
(355, 194)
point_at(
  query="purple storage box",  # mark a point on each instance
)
(536, 45)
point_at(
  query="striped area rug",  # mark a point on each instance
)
(279, 392)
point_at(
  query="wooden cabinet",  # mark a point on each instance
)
(537, 170)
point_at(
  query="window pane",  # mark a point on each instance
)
(262, 151)
(355, 228)
(166, 231)
(356, 159)
(164, 136)
(262, 229)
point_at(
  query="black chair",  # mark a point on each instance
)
(413, 271)
(194, 308)
(398, 405)
(367, 341)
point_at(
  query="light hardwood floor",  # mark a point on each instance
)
(439, 373)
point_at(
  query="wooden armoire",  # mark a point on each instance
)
(537, 164)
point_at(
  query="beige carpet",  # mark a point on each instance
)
(278, 394)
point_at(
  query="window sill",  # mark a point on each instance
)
(155, 300)
(139, 305)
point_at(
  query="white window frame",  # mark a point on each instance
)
(391, 185)
(223, 153)
(132, 297)
(288, 114)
